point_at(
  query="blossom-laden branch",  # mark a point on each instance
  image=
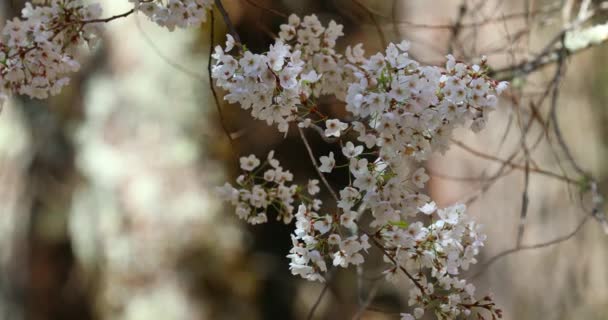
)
(37, 50)
(404, 112)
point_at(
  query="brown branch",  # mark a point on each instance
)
(509, 163)
(211, 86)
(315, 164)
(311, 313)
(392, 259)
(501, 171)
(553, 113)
(488, 21)
(505, 253)
(457, 26)
(372, 17)
(321, 133)
(228, 22)
(370, 297)
(524, 203)
(524, 197)
(270, 10)
(552, 53)
(106, 20)
(481, 178)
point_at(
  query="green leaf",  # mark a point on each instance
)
(399, 224)
(583, 183)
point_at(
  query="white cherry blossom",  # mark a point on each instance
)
(350, 151)
(249, 163)
(407, 316)
(313, 187)
(334, 127)
(327, 163)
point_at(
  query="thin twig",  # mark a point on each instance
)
(506, 166)
(488, 21)
(456, 27)
(553, 89)
(553, 113)
(311, 313)
(112, 18)
(394, 13)
(524, 204)
(211, 86)
(228, 22)
(524, 197)
(509, 163)
(321, 133)
(370, 297)
(372, 17)
(505, 253)
(551, 53)
(271, 10)
(164, 57)
(392, 259)
(315, 164)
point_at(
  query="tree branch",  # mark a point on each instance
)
(228, 22)
(505, 253)
(315, 164)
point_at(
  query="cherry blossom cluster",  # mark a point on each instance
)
(400, 112)
(37, 50)
(382, 205)
(281, 85)
(174, 13)
(318, 238)
(435, 254)
(411, 110)
(317, 46)
(263, 187)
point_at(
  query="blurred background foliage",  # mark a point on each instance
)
(106, 191)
